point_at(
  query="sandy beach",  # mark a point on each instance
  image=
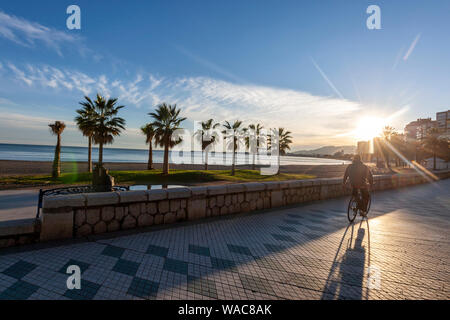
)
(18, 167)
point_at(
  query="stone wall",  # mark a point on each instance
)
(95, 213)
(18, 232)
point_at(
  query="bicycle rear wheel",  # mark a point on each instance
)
(368, 204)
(352, 209)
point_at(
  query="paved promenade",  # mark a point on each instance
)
(303, 252)
(18, 204)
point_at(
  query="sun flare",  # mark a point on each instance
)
(369, 128)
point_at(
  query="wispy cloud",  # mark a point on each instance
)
(27, 33)
(27, 121)
(306, 115)
(411, 47)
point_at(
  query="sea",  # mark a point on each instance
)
(45, 153)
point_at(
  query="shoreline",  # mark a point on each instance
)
(25, 167)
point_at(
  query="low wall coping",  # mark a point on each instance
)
(177, 193)
(215, 190)
(133, 196)
(17, 227)
(71, 200)
(254, 186)
(101, 198)
(111, 198)
(159, 194)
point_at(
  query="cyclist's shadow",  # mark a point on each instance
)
(345, 279)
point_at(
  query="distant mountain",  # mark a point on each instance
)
(327, 150)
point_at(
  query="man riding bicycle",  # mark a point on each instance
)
(359, 175)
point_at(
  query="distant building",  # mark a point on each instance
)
(417, 130)
(443, 122)
(440, 164)
(363, 149)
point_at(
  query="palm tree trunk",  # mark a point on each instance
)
(434, 159)
(166, 158)
(232, 163)
(90, 154)
(233, 160)
(206, 160)
(150, 157)
(279, 163)
(100, 154)
(253, 164)
(56, 161)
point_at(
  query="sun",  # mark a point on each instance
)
(369, 128)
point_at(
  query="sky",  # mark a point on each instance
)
(312, 67)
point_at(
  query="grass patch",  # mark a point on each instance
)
(187, 177)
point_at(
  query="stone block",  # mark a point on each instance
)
(196, 209)
(145, 220)
(84, 230)
(175, 205)
(276, 198)
(158, 218)
(254, 186)
(235, 188)
(108, 213)
(181, 214)
(215, 190)
(80, 217)
(163, 206)
(212, 202)
(220, 200)
(199, 191)
(156, 195)
(170, 217)
(152, 208)
(133, 196)
(92, 215)
(72, 200)
(129, 222)
(56, 226)
(100, 227)
(113, 225)
(101, 198)
(272, 185)
(16, 227)
(134, 209)
(177, 193)
(120, 212)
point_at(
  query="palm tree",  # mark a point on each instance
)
(57, 129)
(86, 122)
(167, 121)
(105, 124)
(431, 143)
(253, 140)
(233, 132)
(387, 133)
(284, 140)
(149, 131)
(207, 137)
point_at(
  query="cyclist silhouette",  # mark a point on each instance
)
(360, 176)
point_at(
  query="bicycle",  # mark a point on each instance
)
(354, 205)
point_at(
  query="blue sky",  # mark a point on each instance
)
(310, 66)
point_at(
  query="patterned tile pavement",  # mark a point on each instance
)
(303, 252)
